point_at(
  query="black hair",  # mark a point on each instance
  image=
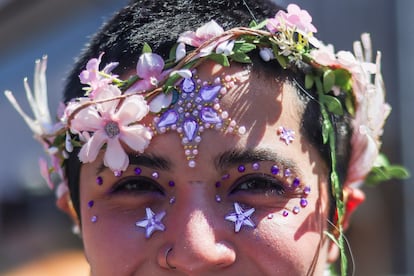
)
(159, 24)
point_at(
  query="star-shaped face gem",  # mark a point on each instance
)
(240, 217)
(286, 135)
(152, 223)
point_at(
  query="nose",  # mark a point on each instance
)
(199, 246)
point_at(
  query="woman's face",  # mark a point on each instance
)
(281, 236)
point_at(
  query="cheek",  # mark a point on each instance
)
(111, 239)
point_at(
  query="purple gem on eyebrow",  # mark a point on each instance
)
(241, 168)
(118, 173)
(168, 118)
(285, 213)
(90, 203)
(303, 202)
(288, 173)
(255, 166)
(208, 93)
(209, 115)
(296, 182)
(188, 85)
(218, 184)
(137, 171)
(99, 180)
(190, 127)
(155, 175)
(171, 183)
(306, 190)
(274, 169)
(296, 210)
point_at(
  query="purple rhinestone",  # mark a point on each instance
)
(218, 184)
(255, 166)
(288, 173)
(226, 176)
(90, 203)
(208, 93)
(208, 115)
(296, 210)
(274, 169)
(168, 118)
(306, 190)
(270, 216)
(99, 180)
(155, 175)
(241, 168)
(285, 213)
(137, 171)
(172, 200)
(296, 182)
(94, 219)
(188, 85)
(171, 183)
(303, 202)
(218, 198)
(118, 173)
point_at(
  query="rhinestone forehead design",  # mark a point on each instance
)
(195, 108)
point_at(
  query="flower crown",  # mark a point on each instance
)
(111, 110)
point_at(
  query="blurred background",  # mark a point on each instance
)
(31, 227)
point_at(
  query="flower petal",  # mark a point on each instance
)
(115, 157)
(91, 148)
(149, 65)
(133, 109)
(137, 137)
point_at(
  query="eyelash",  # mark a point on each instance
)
(259, 184)
(138, 185)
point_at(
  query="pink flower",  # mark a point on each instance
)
(294, 18)
(202, 34)
(92, 76)
(150, 69)
(111, 123)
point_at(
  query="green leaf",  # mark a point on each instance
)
(349, 103)
(241, 57)
(173, 51)
(398, 172)
(328, 80)
(332, 104)
(326, 128)
(258, 26)
(309, 81)
(343, 79)
(220, 59)
(252, 24)
(243, 47)
(146, 48)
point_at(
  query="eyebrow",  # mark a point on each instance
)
(240, 156)
(151, 161)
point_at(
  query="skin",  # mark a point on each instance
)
(202, 241)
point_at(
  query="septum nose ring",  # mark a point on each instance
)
(166, 258)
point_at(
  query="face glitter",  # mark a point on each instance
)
(91, 203)
(137, 171)
(94, 219)
(155, 175)
(274, 169)
(99, 180)
(218, 198)
(171, 183)
(241, 168)
(286, 135)
(172, 200)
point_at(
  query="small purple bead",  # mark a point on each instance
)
(270, 216)
(274, 169)
(172, 200)
(99, 180)
(218, 198)
(296, 210)
(241, 168)
(303, 202)
(288, 173)
(94, 219)
(171, 183)
(137, 171)
(306, 190)
(296, 182)
(255, 166)
(218, 184)
(285, 213)
(226, 176)
(90, 203)
(118, 173)
(155, 175)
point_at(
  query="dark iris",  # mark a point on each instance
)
(136, 184)
(259, 184)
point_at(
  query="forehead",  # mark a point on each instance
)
(257, 102)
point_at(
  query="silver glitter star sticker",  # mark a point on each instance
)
(286, 135)
(152, 223)
(240, 217)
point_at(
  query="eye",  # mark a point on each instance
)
(137, 185)
(259, 184)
